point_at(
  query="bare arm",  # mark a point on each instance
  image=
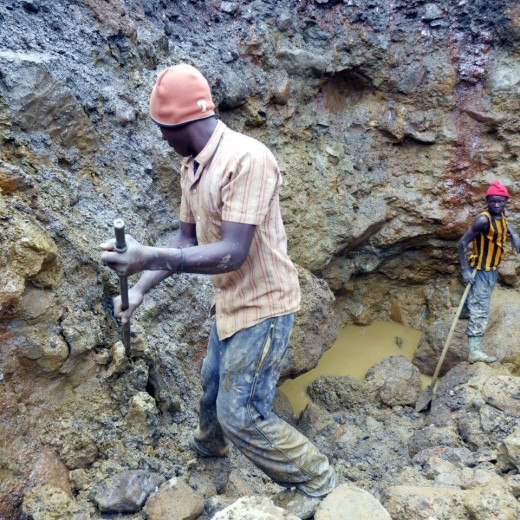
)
(515, 239)
(223, 256)
(185, 238)
(226, 255)
(480, 225)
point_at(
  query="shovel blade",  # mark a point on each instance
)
(424, 399)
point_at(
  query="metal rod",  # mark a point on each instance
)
(119, 229)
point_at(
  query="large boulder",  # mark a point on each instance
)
(315, 329)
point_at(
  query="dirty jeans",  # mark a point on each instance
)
(478, 301)
(239, 376)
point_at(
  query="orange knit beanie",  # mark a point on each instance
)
(181, 95)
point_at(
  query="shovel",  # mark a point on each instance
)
(427, 395)
(119, 228)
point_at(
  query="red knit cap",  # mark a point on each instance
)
(181, 95)
(497, 188)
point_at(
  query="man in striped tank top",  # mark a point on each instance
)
(488, 236)
(231, 228)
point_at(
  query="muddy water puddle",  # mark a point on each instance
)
(355, 351)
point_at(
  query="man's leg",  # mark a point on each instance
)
(249, 370)
(478, 303)
(209, 440)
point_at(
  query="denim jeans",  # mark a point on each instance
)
(239, 377)
(478, 301)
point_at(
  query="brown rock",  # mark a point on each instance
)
(395, 380)
(414, 502)
(175, 500)
(490, 502)
(347, 502)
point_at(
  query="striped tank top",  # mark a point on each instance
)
(488, 249)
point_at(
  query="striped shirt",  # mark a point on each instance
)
(488, 249)
(237, 179)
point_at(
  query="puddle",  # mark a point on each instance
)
(355, 351)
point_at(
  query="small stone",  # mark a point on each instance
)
(229, 7)
(119, 360)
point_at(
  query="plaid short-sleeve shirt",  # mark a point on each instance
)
(237, 179)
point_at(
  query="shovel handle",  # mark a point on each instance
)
(453, 325)
(119, 229)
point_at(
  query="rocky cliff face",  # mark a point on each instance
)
(388, 120)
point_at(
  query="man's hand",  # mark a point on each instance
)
(467, 275)
(515, 240)
(132, 261)
(135, 298)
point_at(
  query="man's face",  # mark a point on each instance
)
(496, 204)
(179, 139)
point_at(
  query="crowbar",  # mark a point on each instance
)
(119, 229)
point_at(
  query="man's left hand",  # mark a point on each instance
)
(515, 240)
(132, 261)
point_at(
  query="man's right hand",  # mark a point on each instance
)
(467, 275)
(135, 298)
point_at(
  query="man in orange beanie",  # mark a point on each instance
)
(488, 236)
(231, 228)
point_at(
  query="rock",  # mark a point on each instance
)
(119, 361)
(229, 7)
(77, 450)
(432, 343)
(217, 470)
(509, 273)
(48, 503)
(31, 84)
(237, 486)
(414, 502)
(314, 421)
(284, 21)
(175, 500)
(461, 457)
(27, 250)
(490, 502)
(510, 450)
(315, 328)
(502, 336)
(478, 403)
(432, 12)
(126, 492)
(217, 503)
(35, 303)
(480, 477)
(254, 508)
(513, 482)
(302, 62)
(142, 420)
(395, 381)
(202, 484)
(282, 407)
(347, 502)
(433, 438)
(335, 393)
(236, 90)
(443, 473)
(281, 88)
(81, 332)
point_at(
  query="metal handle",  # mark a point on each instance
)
(119, 229)
(453, 325)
